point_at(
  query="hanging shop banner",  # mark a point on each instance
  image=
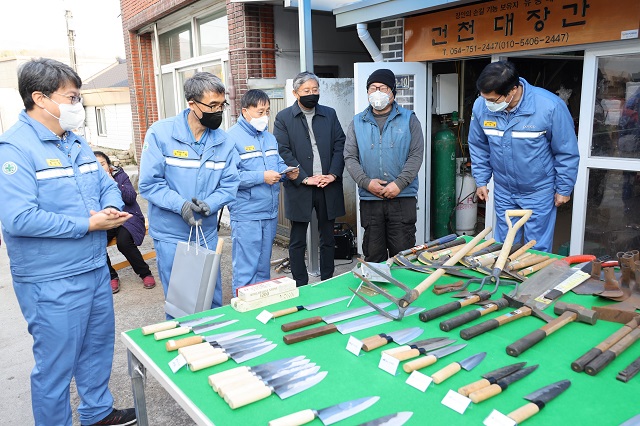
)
(514, 25)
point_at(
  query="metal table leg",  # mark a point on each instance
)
(137, 372)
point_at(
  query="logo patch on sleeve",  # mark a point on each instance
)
(249, 148)
(54, 162)
(490, 124)
(9, 168)
(182, 154)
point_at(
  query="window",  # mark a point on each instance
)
(101, 121)
(175, 45)
(214, 34)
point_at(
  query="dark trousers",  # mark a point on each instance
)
(389, 227)
(298, 242)
(128, 248)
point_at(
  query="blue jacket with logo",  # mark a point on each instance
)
(258, 151)
(382, 156)
(530, 149)
(45, 201)
(172, 172)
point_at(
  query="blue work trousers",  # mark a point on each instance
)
(165, 252)
(252, 242)
(539, 226)
(72, 324)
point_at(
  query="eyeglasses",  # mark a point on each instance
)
(306, 92)
(73, 98)
(383, 88)
(214, 107)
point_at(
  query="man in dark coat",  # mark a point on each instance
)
(311, 137)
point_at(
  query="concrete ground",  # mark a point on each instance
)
(134, 307)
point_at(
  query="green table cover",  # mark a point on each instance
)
(590, 400)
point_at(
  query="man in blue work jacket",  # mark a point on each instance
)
(188, 172)
(56, 203)
(525, 138)
(254, 212)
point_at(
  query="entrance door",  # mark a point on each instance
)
(607, 196)
(411, 84)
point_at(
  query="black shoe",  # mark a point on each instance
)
(119, 418)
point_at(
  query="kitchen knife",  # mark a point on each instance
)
(400, 337)
(468, 364)
(421, 347)
(539, 399)
(431, 358)
(327, 416)
(167, 325)
(310, 307)
(500, 385)
(396, 419)
(333, 318)
(197, 329)
(273, 378)
(490, 378)
(214, 379)
(173, 345)
(238, 355)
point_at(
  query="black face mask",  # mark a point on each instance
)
(212, 120)
(309, 101)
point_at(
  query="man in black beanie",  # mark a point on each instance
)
(383, 153)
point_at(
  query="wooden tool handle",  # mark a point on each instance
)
(287, 311)
(478, 329)
(444, 373)
(419, 363)
(534, 259)
(472, 387)
(439, 311)
(210, 361)
(174, 345)
(405, 355)
(295, 419)
(481, 246)
(396, 350)
(537, 266)
(579, 364)
(485, 393)
(511, 233)
(599, 363)
(301, 336)
(516, 254)
(213, 379)
(374, 342)
(526, 342)
(247, 396)
(178, 331)
(154, 328)
(523, 413)
(222, 382)
(301, 323)
(196, 356)
(424, 285)
(236, 383)
(194, 348)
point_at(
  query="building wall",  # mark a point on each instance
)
(392, 40)
(119, 130)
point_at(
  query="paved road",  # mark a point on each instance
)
(134, 307)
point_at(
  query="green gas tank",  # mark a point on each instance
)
(443, 181)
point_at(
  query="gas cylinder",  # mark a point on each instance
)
(443, 180)
(466, 202)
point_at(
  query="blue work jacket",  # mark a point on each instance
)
(382, 156)
(258, 152)
(45, 199)
(172, 172)
(527, 150)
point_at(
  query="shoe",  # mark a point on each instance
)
(115, 285)
(119, 418)
(149, 282)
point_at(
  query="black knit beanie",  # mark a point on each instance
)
(384, 76)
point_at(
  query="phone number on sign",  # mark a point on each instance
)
(507, 44)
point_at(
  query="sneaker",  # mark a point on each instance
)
(119, 418)
(115, 285)
(149, 282)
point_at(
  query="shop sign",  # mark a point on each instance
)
(513, 25)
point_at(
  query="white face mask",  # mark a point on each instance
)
(498, 106)
(378, 100)
(71, 116)
(260, 123)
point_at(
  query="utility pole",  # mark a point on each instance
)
(71, 36)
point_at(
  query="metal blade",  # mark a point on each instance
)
(290, 374)
(277, 365)
(403, 336)
(208, 327)
(633, 421)
(289, 389)
(396, 419)
(542, 396)
(447, 350)
(334, 414)
(317, 305)
(222, 337)
(247, 343)
(514, 377)
(503, 371)
(363, 323)
(198, 321)
(386, 276)
(432, 343)
(252, 353)
(471, 362)
(352, 313)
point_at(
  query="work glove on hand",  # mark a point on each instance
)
(187, 213)
(205, 210)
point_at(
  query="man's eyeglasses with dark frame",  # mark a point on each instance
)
(214, 107)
